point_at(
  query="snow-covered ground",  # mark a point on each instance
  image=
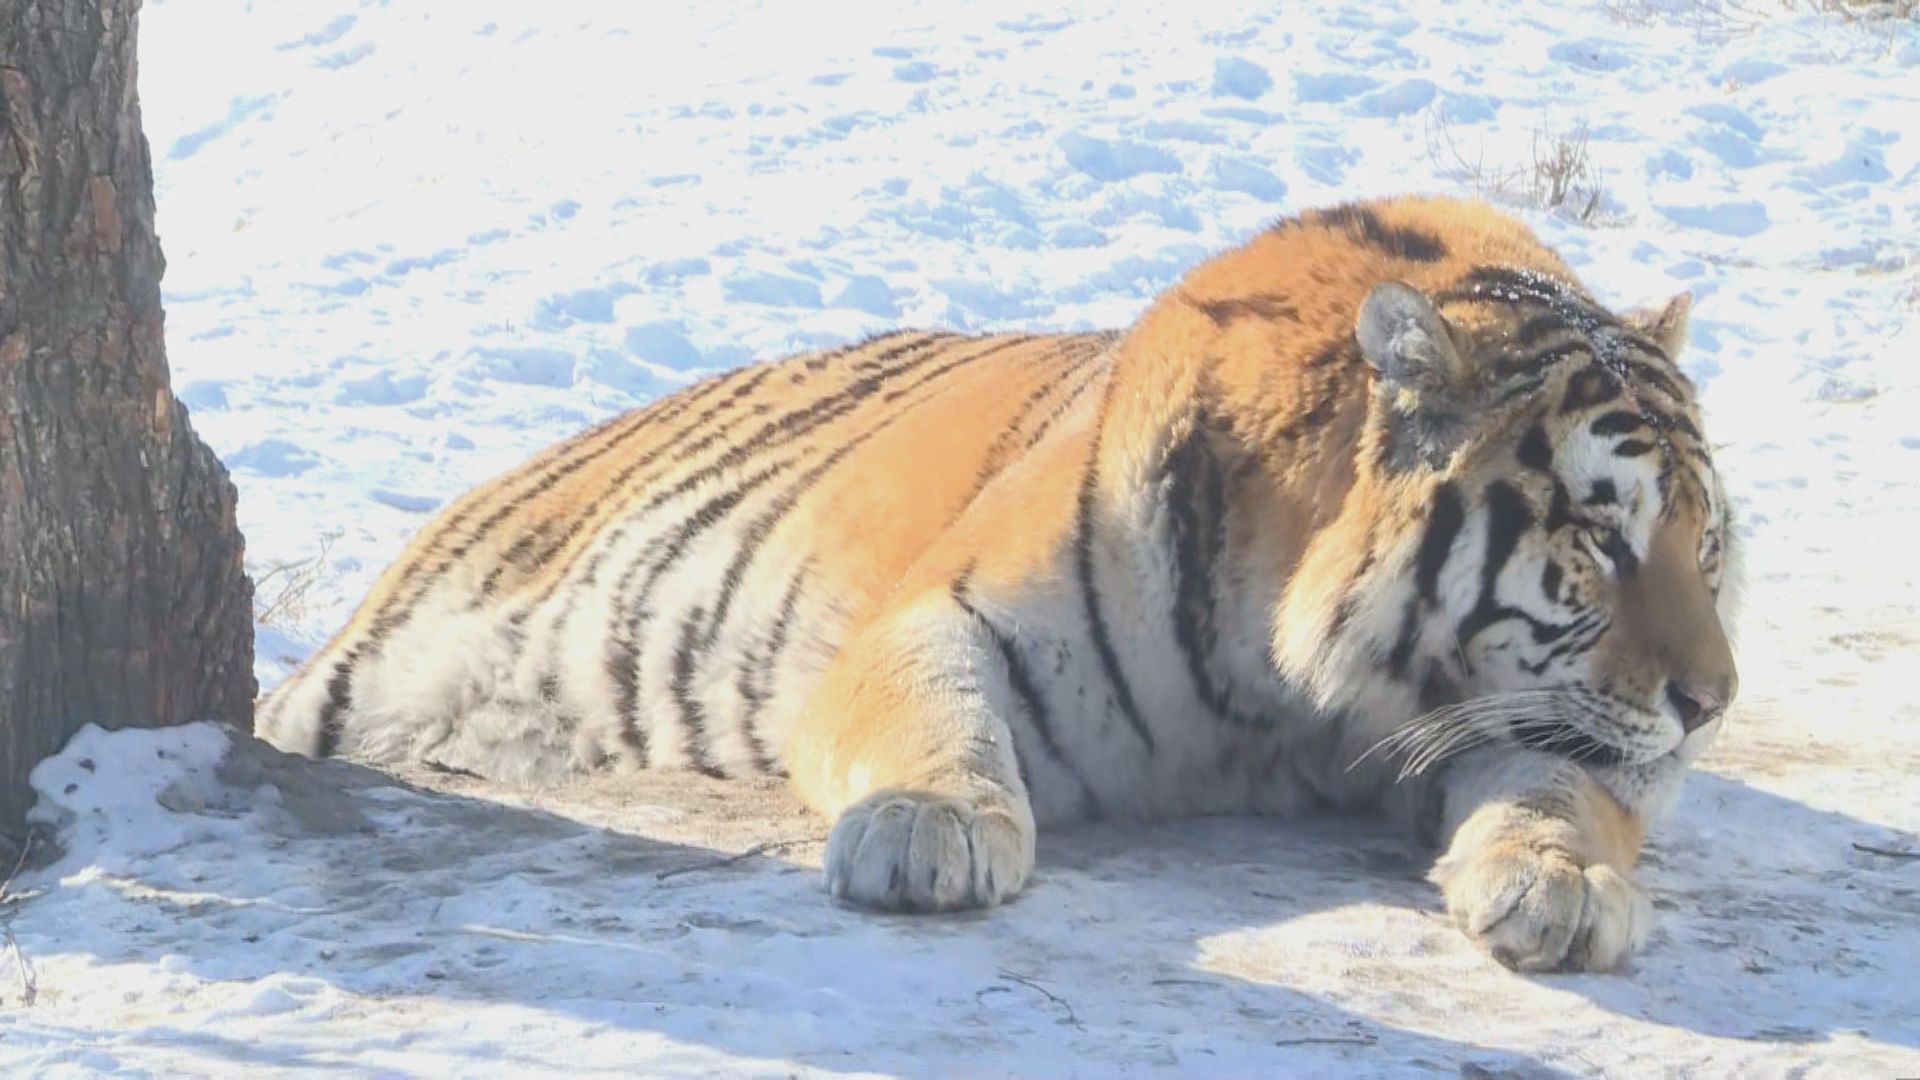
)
(410, 243)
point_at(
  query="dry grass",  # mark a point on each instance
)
(282, 590)
(9, 907)
(1564, 177)
(1867, 11)
(1710, 22)
(1715, 22)
(1556, 174)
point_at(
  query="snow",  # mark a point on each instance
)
(1235, 76)
(410, 244)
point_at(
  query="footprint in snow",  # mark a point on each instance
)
(272, 457)
(412, 504)
(774, 290)
(1331, 86)
(1113, 161)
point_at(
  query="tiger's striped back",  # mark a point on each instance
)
(664, 588)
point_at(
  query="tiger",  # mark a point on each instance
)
(1379, 513)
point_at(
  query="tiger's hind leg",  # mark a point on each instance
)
(903, 745)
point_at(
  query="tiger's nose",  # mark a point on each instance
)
(1696, 704)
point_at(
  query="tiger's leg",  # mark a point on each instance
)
(1539, 865)
(905, 745)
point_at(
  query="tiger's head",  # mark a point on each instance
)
(1565, 581)
(1477, 508)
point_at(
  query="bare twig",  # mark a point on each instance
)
(1887, 852)
(1559, 173)
(25, 850)
(1329, 1040)
(1867, 11)
(1564, 176)
(29, 987)
(281, 591)
(444, 769)
(1028, 982)
(762, 848)
(1444, 150)
(1712, 22)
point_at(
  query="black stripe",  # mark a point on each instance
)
(339, 699)
(1083, 566)
(514, 558)
(1591, 385)
(1616, 549)
(1507, 518)
(1438, 690)
(1032, 701)
(1402, 652)
(1560, 509)
(1349, 595)
(1265, 306)
(1197, 515)
(876, 359)
(1446, 518)
(1518, 390)
(1633, 448)
(1657, 379)
(1617, 422)
(1534, 451)
(1685, 426)
(1538, 327)
(693, 714)
(758, 674)
(1603, 493)
(1584, 632)
(1530, 365)
(1550, 579)
(1066, 402)
(1514, 285)
(1361, 223)
(1645, 343)
(1001, 449)
(1444, 522)
(624, 633)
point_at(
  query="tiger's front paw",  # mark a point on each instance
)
(1538, 910)
(913, 851)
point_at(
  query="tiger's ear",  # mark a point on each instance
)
(1425, 384)
(1403, 337)
(1666, 325)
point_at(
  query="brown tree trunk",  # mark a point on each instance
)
(123, 600)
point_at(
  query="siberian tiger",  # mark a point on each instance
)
(1381, 510)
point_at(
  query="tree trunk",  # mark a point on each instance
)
(123, 599)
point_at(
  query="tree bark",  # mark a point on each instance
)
(123, 597)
